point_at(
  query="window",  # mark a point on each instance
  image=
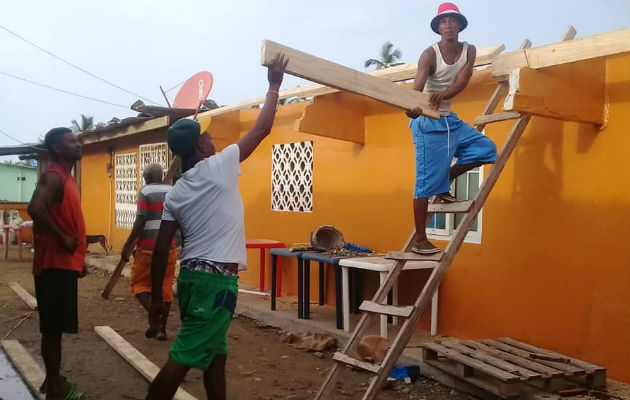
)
(153, 153)
(292, 177)
(465, 187)
(126, 187)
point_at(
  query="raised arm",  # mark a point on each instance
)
(426, 66)
(49, 191)
(460, 82)
(248, 143)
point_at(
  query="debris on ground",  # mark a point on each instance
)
(308, 341)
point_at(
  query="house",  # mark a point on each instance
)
(547, 260)
(17, 182)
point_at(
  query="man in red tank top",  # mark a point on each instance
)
(59, 244)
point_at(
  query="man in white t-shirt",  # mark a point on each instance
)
(206, 205)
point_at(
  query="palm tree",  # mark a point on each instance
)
(388, 57)
(87, 123)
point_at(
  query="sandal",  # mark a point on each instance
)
(425, 251)
(447, 198)
(71, 394)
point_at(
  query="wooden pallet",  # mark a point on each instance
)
(506, 367)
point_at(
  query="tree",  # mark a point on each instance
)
(388, 57)
(87, 123)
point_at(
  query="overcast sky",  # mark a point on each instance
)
(140, 45)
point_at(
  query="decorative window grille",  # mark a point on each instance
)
(292, 177)
(126, 184)
(153, 153)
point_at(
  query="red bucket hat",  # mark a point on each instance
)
(451, 10)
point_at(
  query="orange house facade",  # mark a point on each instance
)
(548, 262)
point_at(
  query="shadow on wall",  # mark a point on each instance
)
(538, 162)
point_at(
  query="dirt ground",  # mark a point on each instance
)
(260, 365)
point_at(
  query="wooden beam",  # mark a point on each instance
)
(601, 45)
(343, 78)
(395, 74)
(24, 295)
(333, 116)
(26, 365)
(570, 92)
(152, 124)
(137, 360)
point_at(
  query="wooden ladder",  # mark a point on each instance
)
(412, 314)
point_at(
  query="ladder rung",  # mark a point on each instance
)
(490, 118)
(410, 256)
(346, 359)
(458, 207)
(395, 311)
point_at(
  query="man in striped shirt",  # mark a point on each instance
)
(142, 238)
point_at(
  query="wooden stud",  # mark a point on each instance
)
(24, 295)
(137, 360)
(339, 77)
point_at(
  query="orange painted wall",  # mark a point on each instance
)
(552, 267)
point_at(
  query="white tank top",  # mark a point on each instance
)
(444, 76)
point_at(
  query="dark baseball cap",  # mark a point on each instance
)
(182, 137)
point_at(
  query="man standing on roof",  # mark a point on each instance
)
(444, 70)
(59, 258)
(206, 205)
(143, 236)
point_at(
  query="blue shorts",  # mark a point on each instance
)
(436, 147)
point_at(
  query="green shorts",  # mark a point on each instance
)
(206, 303)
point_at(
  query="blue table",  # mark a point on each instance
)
(284, 252)
(323, 259)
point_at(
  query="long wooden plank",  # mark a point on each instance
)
(474, 363)
(26, 365)
(546, 371)
(339, 77)
(458, 207)
(494, 361)
(567, 369)
(395, 311)
(137, 360)
(113, 279)
(24, 295)
(601, 45)
(528, 347)
(346, 359)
